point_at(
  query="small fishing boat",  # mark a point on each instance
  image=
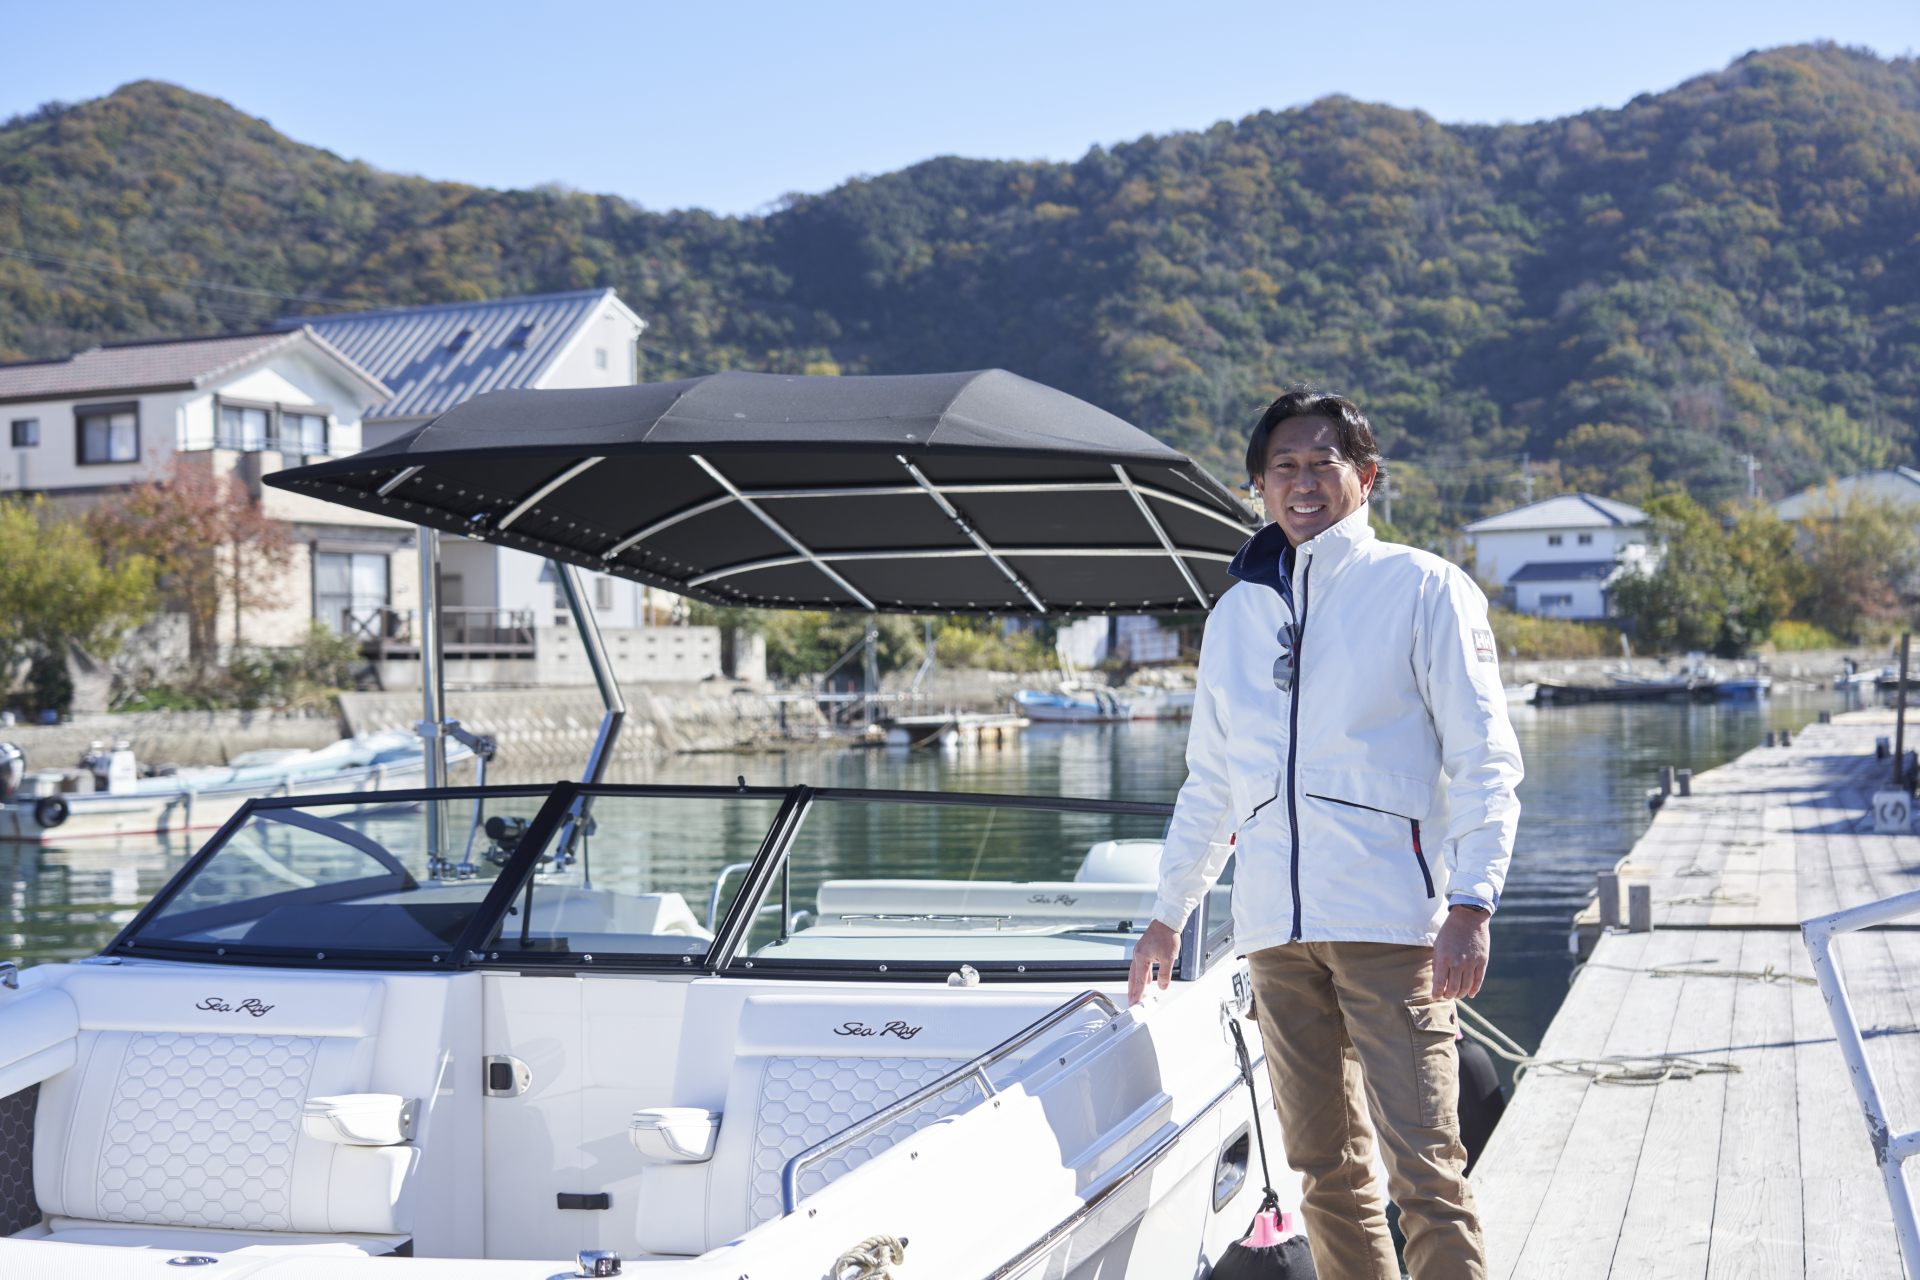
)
(1078, 706)
(112, 799)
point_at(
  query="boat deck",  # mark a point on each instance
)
(1764, 1170)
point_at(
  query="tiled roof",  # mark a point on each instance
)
(1564, 571)
(1568, 511)
(151, 365)
(435, 357)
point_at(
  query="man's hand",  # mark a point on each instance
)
(1157, 947)
(1460, 954)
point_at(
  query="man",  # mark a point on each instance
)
(1350, 741)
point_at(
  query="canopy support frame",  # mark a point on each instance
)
(785, 536)
(965, 526)
(1159, 531)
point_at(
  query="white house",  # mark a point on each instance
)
(83, 428)
(1900, 485)
(1559, 556)
(433, 358)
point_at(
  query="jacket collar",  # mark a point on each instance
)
(1268, 559)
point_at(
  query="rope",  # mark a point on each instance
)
(872, 1259)
(1767, 975)
(1624, 1069)
(1270, 1200)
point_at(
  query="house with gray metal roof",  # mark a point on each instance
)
(499, 601)
(1559, 556)
(435, 357)
(1897, 485)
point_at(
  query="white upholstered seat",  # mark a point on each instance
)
(183, 1112)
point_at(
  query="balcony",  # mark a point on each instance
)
(388, 634)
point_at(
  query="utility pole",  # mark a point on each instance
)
(1753, 474)
(1526, 477)
(1384, 491)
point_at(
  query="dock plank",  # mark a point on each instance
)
(1767, 1172)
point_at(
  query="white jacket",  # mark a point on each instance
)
(1381, 783)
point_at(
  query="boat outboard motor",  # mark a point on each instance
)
(13, 767)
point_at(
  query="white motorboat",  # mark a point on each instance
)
(350, 1038)
(41, 806)
(316, 1049)
(1072, 706)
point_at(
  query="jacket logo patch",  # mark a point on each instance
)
(1483, 645)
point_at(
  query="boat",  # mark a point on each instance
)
(44, 806)
(341, 1042)
(1076, 706)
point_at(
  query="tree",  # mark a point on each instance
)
(214, 548)
(1862, 558)
(1721, 583)
(56, 592)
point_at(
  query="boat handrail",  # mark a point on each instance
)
(974, 1072)
(1891, 1149)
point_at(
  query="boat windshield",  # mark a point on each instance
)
(336, 880)
(707, 879)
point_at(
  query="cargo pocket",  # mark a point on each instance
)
(1436, 1064)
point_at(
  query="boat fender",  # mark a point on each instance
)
(1481, 1101)
(49, 812)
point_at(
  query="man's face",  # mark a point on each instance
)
(1308, 486)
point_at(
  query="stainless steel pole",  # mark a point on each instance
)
(433, 692)
(588, 626)
(1900, 714)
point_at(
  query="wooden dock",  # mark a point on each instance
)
(1758, 1166)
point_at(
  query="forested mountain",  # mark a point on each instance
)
(1633, 298)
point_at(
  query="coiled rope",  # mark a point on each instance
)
(1622, 1069)
(872, 1259)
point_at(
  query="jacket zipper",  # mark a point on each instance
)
(1421, 857)
(1293, 738)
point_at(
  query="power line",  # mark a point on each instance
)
(49, 259)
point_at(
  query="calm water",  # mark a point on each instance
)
(1583, 807)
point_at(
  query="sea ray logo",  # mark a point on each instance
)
(251, 1005)
(898, 1029)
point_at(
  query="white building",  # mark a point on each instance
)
(1900, 485)
(435, 357)
(1559, 556)
(83, 428)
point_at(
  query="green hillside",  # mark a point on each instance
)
(1633, 298)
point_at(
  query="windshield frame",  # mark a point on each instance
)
(565, 799)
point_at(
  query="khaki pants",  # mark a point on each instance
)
(1339, 1018)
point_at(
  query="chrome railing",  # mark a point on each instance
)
(1890, 1149)
(974, 1072)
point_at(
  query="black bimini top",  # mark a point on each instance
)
(931, 493)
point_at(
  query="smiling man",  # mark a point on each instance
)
(1350, 743)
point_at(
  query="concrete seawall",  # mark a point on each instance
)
(173, 737)
(547, 732)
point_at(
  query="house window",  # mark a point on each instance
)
(26, 433)
(1553, 539)
(107, 433)
(243, 427)
(350, 591)
(1585, 539)
(303, 433)
(599, 357)
(603, 593)
(1550, 600)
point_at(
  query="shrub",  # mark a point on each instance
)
(1523, 635)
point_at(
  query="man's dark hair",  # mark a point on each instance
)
(1352, 433)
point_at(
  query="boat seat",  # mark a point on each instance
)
(228, 1105)
(806, 1067)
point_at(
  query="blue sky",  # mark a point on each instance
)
(727, 106)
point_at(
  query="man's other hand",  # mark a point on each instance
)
(1157, 948)
(1460, 953)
